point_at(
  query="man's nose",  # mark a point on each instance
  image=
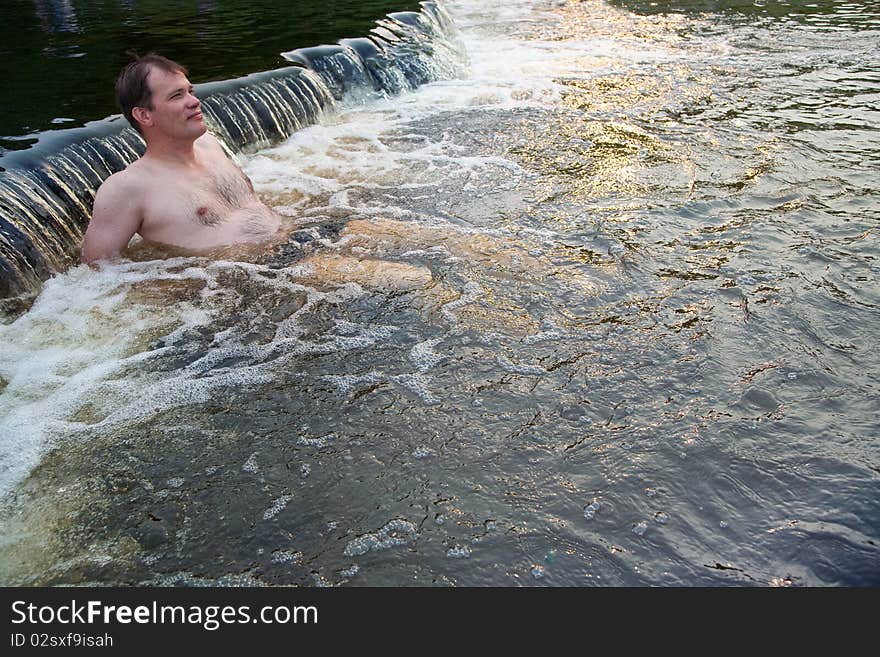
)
(193, 101)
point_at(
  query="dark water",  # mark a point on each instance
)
(59, 58)
(599, 311)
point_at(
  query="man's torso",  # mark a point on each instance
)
(202, 208)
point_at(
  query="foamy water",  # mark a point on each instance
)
(554, 324)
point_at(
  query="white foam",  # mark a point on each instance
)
(471, 292)
(549, 332)
(421, 453)
(516, 368)
(591, 508)
(394, 533)
(277, 507)
(287, 556)
(345, 383)
(423, 354)
(458, 552)
(349, 572)
(79, 362)
(321, 582)
(417, 383)
(230, 580)
(320, 441)
(251, 464)
(82, 331)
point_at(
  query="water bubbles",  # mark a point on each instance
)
(590, 509)
(470, 293)
(321, 441)
(792, 376)
(350, 572)
(439, 519)
(394, 533)
(537, 572)
(423, 355)
(421, 453)
(640, 528)
(251, 464)
(723, 524)
(418, 384)
(287, 556)
(344, 327)
(346, 383)
(747, 280)
(651, 492)
(661, 518)
(305, 470)
(516, 368)
(277, 507)
(175, 482)
(549, 331)
(321, 582)
(458, 552)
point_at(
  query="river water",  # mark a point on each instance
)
(596, 310)
(59, 58)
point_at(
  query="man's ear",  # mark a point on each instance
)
(142, 115)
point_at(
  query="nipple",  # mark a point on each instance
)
(202, 211)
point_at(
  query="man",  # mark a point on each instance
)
(184, 191)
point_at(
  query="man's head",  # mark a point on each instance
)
(153, 90)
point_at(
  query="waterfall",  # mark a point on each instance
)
(47, 191)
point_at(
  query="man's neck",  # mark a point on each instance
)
(172, 152)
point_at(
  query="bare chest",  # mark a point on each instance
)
(208, 210)
(200, 200)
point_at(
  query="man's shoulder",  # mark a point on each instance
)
(122, 182)
(210, 143)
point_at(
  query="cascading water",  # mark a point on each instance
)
(46, 193)
(601, 311)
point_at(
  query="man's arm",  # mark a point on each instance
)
(116, 217)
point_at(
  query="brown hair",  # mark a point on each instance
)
(131, 85)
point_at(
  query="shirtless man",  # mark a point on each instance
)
(184, 191)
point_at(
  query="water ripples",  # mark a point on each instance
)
(607, 325)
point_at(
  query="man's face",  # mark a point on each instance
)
(175, 112)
